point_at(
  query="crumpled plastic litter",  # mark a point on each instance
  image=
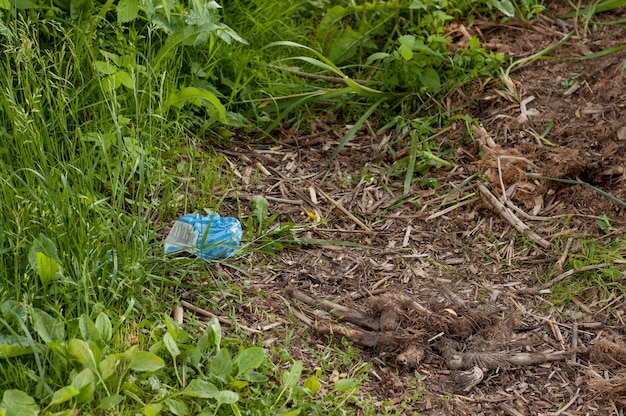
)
(209, 237)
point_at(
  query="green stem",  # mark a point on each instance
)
(598, 190)
(540, 53)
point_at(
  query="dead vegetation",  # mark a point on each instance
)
(456, 284)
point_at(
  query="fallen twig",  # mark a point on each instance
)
(361, 337)
(301, 316)
(451, 208)
(561, 262)
(508, 215)
(574, 343)
(335, 80)
(568, 404)
(339, 311)
(345, 211)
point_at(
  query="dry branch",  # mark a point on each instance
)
(496, 360)
(470, 366)
(508, 215)
(561, 262)
(345, 211)
(449, 209)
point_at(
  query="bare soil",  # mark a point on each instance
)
(456, 279)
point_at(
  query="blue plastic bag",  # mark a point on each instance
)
(210, 237)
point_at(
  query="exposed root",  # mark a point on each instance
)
(493, 360)
(614, 388)
(467, 380)
(364, 338)
(397, 322)
(608, 353)
(338, 311)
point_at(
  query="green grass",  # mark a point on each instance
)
(589, 285)
(88, 163)
(109, 115)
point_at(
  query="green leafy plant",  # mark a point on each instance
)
(523, 9)
(202, 368)
(366, 22)
(407, 72)
(421, 157)
(97, 373)
(264, 231)
(604, 222)
(260, 220)
(44, 259)
(226, 376)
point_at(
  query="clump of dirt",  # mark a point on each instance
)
(447, 289)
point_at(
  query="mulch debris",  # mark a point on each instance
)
(450, 291)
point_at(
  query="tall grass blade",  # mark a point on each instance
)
(315, 62)
(598, 190)
(324, 59)
(357, 126)
(598, 8)
(539, 54)
(598, 54)
(316, 96)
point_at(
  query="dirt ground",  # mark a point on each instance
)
(454, 293)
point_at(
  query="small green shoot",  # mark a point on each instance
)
(44, 259)
(598, 190)
(604, 222)
(267, 234)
